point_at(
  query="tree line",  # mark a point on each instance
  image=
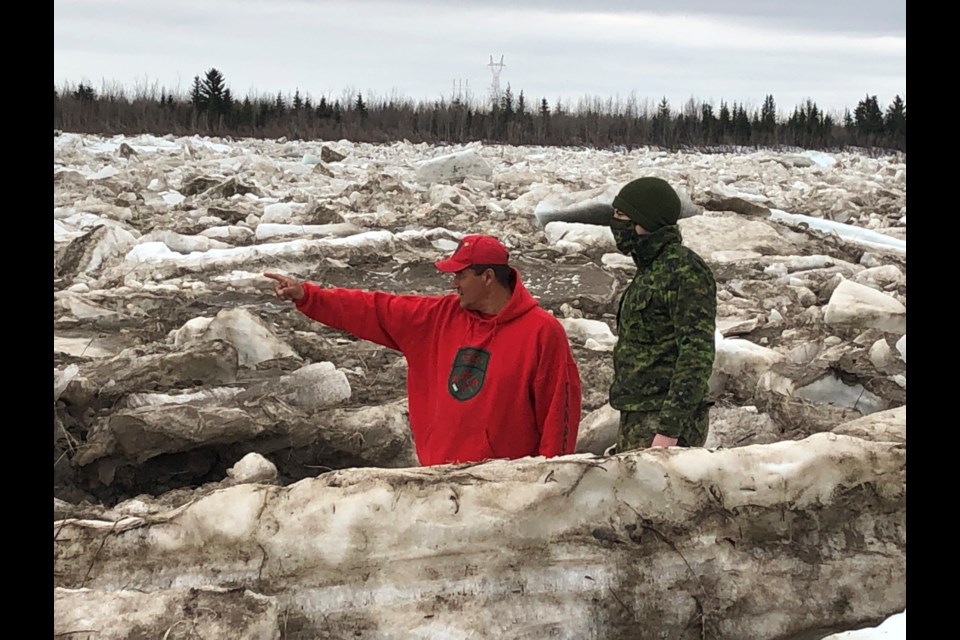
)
(211, 109)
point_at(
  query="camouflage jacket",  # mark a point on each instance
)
(665, 326)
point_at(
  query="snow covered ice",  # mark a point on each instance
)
(177, 417)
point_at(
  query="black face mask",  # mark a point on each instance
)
(625, 234)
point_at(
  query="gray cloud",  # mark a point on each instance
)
(420, 49)
(879, 16)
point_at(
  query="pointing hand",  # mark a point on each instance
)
(286, 288)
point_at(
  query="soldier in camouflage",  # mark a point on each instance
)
(665, 324)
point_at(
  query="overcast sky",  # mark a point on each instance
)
(834, 52)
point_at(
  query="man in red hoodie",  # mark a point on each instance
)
(490, 373)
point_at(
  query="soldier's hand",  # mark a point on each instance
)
(663, 441)
(285, 287)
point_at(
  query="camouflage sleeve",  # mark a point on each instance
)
(693, 307)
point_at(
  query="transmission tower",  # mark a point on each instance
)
(461, 91)
(495, 69)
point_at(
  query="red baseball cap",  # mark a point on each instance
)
(474, 249)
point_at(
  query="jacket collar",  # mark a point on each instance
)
(655, 242)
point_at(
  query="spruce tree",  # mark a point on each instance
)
(506, 104)
(709, 123)
(869, 119)
(85, 93)
(725, 123)
(213, 91)
(768, 119)
(895, 123)
(741, 125)
(197, 97)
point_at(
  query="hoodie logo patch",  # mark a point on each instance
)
(468, 373)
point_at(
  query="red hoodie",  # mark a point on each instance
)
(503, 386)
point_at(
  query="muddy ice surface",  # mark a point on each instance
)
(178, 376)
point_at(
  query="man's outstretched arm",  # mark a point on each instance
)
(384, 318)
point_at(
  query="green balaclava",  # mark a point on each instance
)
(649, 202)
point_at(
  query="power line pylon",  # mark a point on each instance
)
(495, 69)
